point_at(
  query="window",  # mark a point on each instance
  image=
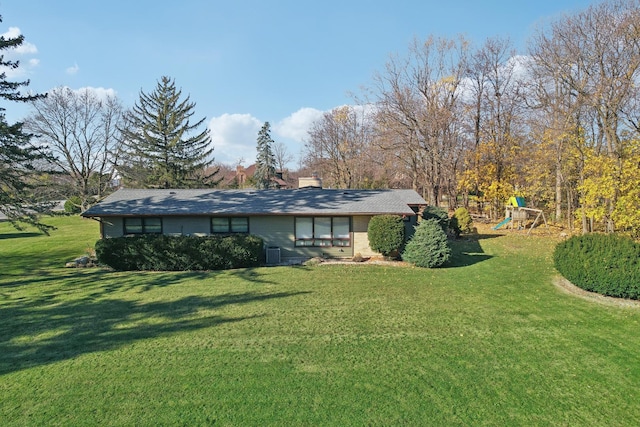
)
(143, 225)
(323, 231)
(227, 225)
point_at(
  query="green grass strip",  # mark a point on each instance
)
(486, 341)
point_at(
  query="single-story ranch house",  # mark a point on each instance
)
(294, 224)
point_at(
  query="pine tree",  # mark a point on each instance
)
(265, 160)
(161, 148)
(18, 157)
(429, 246)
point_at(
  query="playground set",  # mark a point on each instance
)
(517, 214)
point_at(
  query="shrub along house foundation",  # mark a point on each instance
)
(294, 224)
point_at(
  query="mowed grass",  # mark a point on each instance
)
(486, 341)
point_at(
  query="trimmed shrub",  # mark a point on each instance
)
(463, 221)
(608, 264)
(180, 253)
(386, 234)
(73, 205)
(429, 246)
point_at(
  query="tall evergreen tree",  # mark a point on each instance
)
(18, 157)
(265, 160)
(161, 148)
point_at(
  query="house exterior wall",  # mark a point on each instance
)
(361, 237)
(112, 227)
(276, 231)
(360, 226)
(324, 252)
(409, 227)
(279, 231)
(186, 225)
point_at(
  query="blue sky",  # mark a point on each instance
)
(246, 62)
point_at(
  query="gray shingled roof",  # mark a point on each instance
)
(126, 202)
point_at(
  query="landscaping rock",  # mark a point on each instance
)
(81, 262)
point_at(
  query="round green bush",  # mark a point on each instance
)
(386, 234)
(608, 264)
(463, 220)
(73, 205)
(429, 246)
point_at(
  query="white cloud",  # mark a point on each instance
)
(99, 92)
(297, 125)
(16, 53)
(73, 69)
(11, 33)
(26, 47)
(234, 138)
(522, 65)
(234, 135)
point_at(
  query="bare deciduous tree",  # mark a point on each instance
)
(282, 156)
(336, 145)
(80, 129)
(419, 99)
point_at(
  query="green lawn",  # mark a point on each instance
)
(487, 341)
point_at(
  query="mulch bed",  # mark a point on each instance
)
(568, 287)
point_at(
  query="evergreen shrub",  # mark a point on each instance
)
(180, 253)
(386, 234)
(429, 246)
(608, 264)
(463, 222)
(440, 215)
(72, 205)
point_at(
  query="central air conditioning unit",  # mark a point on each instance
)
(273, 255)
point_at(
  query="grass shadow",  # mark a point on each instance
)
(98, 282)
(7, 236)
(20, 263)
(467, 250)
(40, 331)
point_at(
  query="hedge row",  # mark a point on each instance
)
(608, 264)
(180, 253)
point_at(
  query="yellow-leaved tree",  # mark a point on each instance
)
(491, 173)
(626, 213)
(607, 179)
(598, 186)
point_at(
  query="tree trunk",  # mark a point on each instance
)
(559, 194)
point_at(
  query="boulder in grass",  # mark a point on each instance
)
(81, 262)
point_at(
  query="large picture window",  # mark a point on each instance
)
(323, 231)
(228, 225)
(143, 225)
